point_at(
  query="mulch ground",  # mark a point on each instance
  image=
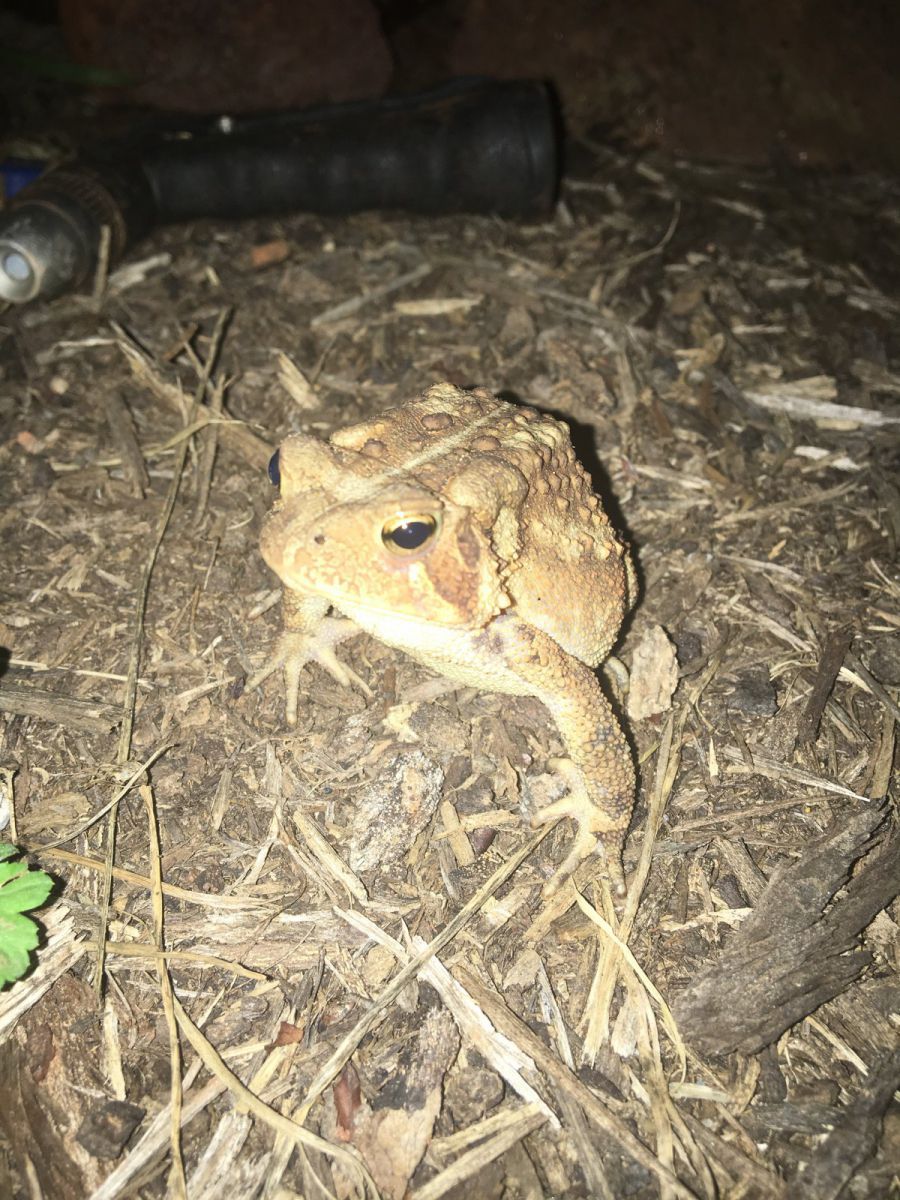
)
(333, 936)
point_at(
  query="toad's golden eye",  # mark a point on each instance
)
(409, 532)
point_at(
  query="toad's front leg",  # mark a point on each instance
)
(601, 772)
(307, 636)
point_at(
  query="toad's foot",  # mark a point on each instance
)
(596, 830)
(294, 649)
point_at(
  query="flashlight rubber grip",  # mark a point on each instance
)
(469, 147)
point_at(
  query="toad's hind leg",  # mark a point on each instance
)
(600, 772)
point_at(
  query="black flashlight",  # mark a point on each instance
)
(470, 146)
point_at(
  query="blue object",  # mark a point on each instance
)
(17, 173)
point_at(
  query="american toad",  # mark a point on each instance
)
(463, 530)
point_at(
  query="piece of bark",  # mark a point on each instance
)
(833, 654)
(122, 429)
(394, 809)
(790, 956)
(866, 1018)
(854, 1137)
(750, 879)
(49, 1081)
(393, 1131)
(237, 934)
(87, 716)
(787, 1117)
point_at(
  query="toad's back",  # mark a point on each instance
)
(558, 557)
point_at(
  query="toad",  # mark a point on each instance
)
(462, 530)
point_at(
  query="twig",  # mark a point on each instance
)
(786, 506)
(177, 1179)
(576, 1123)
(235, 434)
(348, 307)
(632, 260)
(808, 408)
(101, 812)
(124, 749)
(101, 273)
(833, 654)
(192, 957)
(634, 968)
(520, 1123)
(209, 444)
(762, 764)
(877, 689)
(204, 899)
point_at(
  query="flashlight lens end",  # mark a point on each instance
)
(17, 276)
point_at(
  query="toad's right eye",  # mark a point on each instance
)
(407, 533)
(275, 469)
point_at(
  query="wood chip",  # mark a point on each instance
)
(792, 954)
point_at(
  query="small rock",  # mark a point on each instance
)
(753, 693)
(689, 646)
(105, 1130)
(884, 659)
(470, 1092)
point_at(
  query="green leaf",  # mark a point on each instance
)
(20, 890)
(18, 937)
(23, 891)
(11, 870)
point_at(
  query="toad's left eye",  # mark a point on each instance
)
(406, 534)
(275, 469)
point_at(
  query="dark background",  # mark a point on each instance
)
(799, 82)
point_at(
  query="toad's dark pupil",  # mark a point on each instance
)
(275, 469)
(410, 535)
